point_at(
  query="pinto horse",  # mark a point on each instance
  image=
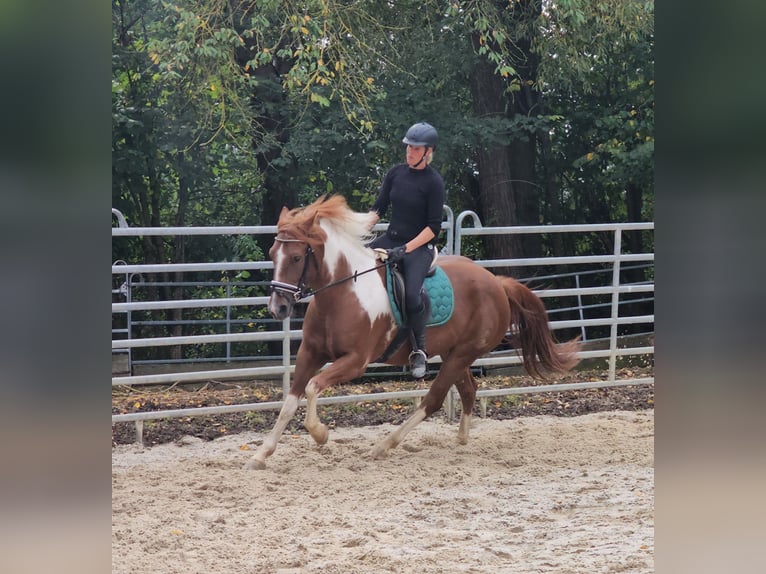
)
(320, 250)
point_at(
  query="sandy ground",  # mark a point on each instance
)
(529, 495)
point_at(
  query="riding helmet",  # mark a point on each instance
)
(421, 134)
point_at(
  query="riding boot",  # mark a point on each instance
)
(418, 356)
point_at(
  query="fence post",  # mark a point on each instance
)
(286, 357)
(615, 303)
(449, 225)
(459, 224)
(121, 221)
(228, 322)
(129, 282)
(579, 307)
(449, 404)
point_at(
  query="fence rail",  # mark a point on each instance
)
(609, 265)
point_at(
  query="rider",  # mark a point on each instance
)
(415, 192)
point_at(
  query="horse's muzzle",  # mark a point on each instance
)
(283, 299)
(281, 304)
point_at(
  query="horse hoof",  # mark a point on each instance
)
(377, 453)
(254, 464)
(320, 435)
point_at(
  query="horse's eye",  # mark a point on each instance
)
(296, 258)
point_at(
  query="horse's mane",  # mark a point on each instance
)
(335, 211)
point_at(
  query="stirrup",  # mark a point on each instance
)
(418, 363)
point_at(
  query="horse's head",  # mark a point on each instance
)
(296, 254)
(303, 254)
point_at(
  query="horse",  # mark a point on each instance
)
(321, 250)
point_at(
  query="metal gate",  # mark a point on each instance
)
(131, 277)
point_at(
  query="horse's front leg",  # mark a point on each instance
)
(269, 445)
(318, 431)
(344, 369)
(306, 364)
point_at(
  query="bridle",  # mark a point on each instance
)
(301, 291)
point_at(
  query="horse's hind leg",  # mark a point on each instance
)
(431, 403)
(393, 440)
(466, 386)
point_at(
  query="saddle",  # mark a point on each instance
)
(437, 294)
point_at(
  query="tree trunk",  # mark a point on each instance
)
(634, 243)
(551, 184)
(634, 201)
(526, 103)
(271, 116)
(497, 197)
(509, 189)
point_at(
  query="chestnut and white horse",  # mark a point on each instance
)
(321, 250)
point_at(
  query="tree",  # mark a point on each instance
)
(167, 114)
(314, 96)
(606, 136)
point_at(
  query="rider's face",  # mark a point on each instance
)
(414, 155)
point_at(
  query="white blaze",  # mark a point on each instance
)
(278, 262)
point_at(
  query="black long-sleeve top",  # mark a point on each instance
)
(416, 198)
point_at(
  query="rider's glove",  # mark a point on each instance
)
(396, 254)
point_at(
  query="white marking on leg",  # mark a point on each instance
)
(465, 427)
(258, 460)
(317, 430)
(396, 437)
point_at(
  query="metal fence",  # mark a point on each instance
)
(606, 288)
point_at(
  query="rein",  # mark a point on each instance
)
(301, 291)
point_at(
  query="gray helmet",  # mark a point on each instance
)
(421, 134)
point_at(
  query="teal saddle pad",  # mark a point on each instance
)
(439, 291)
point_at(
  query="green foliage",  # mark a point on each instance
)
(582, 35)
(180, 153)
(224, 111)
(606, 142)
(219, 107)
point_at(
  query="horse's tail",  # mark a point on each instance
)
(541, 356)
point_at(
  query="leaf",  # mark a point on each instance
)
(321, 100)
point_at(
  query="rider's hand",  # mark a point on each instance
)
(396, 254)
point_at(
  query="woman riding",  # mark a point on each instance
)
(415, 192)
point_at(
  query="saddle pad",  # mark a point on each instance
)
(439, 291)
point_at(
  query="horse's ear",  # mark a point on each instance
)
(282, 214)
